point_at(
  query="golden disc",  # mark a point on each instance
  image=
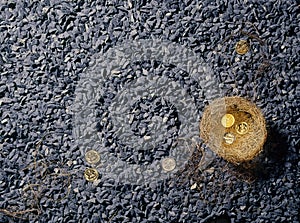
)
(242, 47)
(92, 156)
(242, 128)
(228, 120)
(91, 174)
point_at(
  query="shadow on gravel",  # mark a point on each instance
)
(270, 163)
(219, 219)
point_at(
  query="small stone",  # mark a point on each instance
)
(69, 163)
(147, 138)
(194, 186)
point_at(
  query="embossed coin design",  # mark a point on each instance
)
(242, 47)
(228, 120)
(91, 174)
(228, 138)
(168, 164)
(92, 157)
(242, 128)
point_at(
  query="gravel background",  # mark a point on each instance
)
(46, 49)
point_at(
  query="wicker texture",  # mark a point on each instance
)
(246, 145)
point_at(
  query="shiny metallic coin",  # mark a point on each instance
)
(91, 174)
(228, 120)
(168, 164)
(242, 47)
(92, 156)
(242, 128)
(229, 138)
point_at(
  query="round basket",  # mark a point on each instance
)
(233, 128)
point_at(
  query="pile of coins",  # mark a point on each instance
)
(234, 128)
(228, 121)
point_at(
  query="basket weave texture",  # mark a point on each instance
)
(244, 146)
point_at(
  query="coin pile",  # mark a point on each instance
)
(234, 128)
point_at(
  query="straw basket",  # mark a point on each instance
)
(233, 128)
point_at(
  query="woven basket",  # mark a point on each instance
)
(237, 143)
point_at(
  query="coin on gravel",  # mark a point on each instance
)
(92, 156)
(242, 47)
(227, 120)
(91, 174)
(168, 164)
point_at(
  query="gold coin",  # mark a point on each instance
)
(242, 47)
(228, 120)
(229, 138)
(242, 128)
(168, 164)
(92, 156)
(91, 174)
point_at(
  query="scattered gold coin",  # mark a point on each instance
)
(228, 120)
(242, 128)
(242, 47)
(228, 138)
(92, 156)
(168, 164)
(91, 174)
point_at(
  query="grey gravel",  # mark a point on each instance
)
(48, 48)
